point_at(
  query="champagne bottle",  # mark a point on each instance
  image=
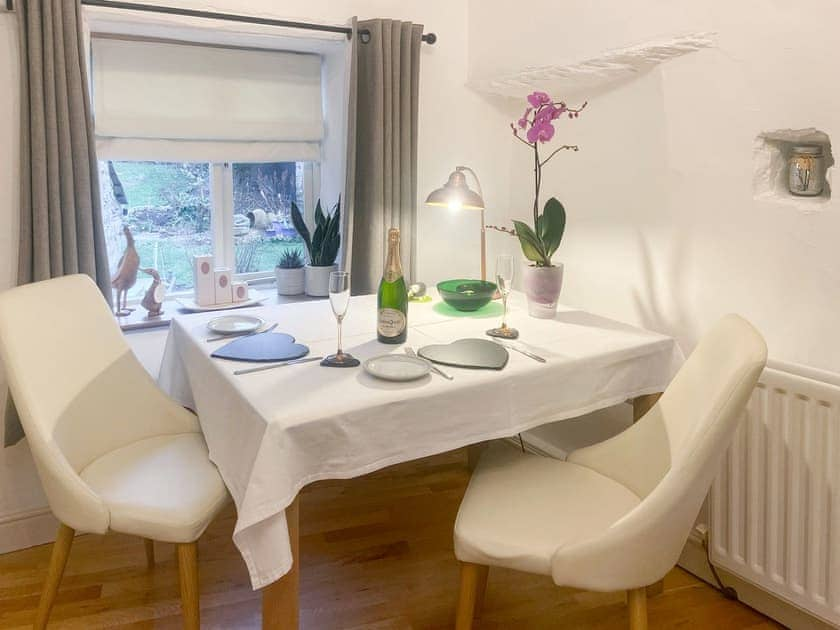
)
(392, 297)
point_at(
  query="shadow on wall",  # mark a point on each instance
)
(512, 107)
(662, 302)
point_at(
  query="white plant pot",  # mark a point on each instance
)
(542, 288)
(289, 281)
(318, 280)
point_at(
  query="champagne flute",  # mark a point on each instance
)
(504, 279)
(339, 301)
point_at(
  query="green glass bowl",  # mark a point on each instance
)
(466, 295)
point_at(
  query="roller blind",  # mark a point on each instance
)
(191, 102)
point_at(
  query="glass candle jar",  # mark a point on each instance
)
(806, 172)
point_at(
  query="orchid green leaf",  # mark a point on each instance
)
(553, 224)
(530, 243)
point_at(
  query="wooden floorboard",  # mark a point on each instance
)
(377, 555)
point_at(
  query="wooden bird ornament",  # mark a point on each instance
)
(126, 274)
(153, 300)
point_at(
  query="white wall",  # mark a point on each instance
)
(663, 229)
(451, 132)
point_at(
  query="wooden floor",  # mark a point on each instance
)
(377, 554)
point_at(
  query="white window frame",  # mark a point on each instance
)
(221, 219)
(221, 215)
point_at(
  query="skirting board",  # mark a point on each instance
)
(693, 560)
(27, 529)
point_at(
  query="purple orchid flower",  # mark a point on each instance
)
(523, 122)
(539, 98)
(542, 130)
(550, 112)
(537, 119)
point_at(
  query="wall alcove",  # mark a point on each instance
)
(771, 152)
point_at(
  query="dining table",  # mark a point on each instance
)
(272, 432)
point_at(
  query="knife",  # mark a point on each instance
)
(410, 352)
(275, 365)
(531, 355)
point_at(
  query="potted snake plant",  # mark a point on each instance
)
(289, 272)
(321, 247)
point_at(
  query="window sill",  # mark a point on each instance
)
(138, 320)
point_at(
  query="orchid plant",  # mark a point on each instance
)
(537, 125)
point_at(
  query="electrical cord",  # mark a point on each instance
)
(728, 591)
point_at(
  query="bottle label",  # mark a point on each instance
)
(391, 322)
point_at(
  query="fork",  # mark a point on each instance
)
(410, 352)
(258, 331)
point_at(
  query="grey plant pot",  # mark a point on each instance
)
(289, 281)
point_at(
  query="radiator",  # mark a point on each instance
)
(775, 505)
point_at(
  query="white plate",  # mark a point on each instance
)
(234, 324)
(254, 298)
(397, 367)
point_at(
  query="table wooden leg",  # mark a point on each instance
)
(643, 404)
(150, 552)
(280, 606)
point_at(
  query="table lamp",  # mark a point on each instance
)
(456, 194)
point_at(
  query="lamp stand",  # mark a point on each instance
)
(483, 248)
(483, 228)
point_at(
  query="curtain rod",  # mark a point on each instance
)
(364, 34)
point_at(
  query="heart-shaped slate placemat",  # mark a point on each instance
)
(470, 353)
(262, 348)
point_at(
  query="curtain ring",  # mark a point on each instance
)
(364, 36)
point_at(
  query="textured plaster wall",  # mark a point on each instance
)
(666, 228)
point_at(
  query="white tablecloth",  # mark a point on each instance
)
(273, 432)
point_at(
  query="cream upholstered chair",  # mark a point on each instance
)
(113, 452)
(615, 515)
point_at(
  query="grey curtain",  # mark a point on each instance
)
(61, 229)
(381, 191)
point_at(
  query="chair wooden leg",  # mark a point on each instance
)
(58, 560)
(150, 552)
(280, 605)
(188, 578)
(637, 605)
(473, 581)
(481, 589)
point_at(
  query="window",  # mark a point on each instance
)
(203, 149)
(177, 210)
(263, 195)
